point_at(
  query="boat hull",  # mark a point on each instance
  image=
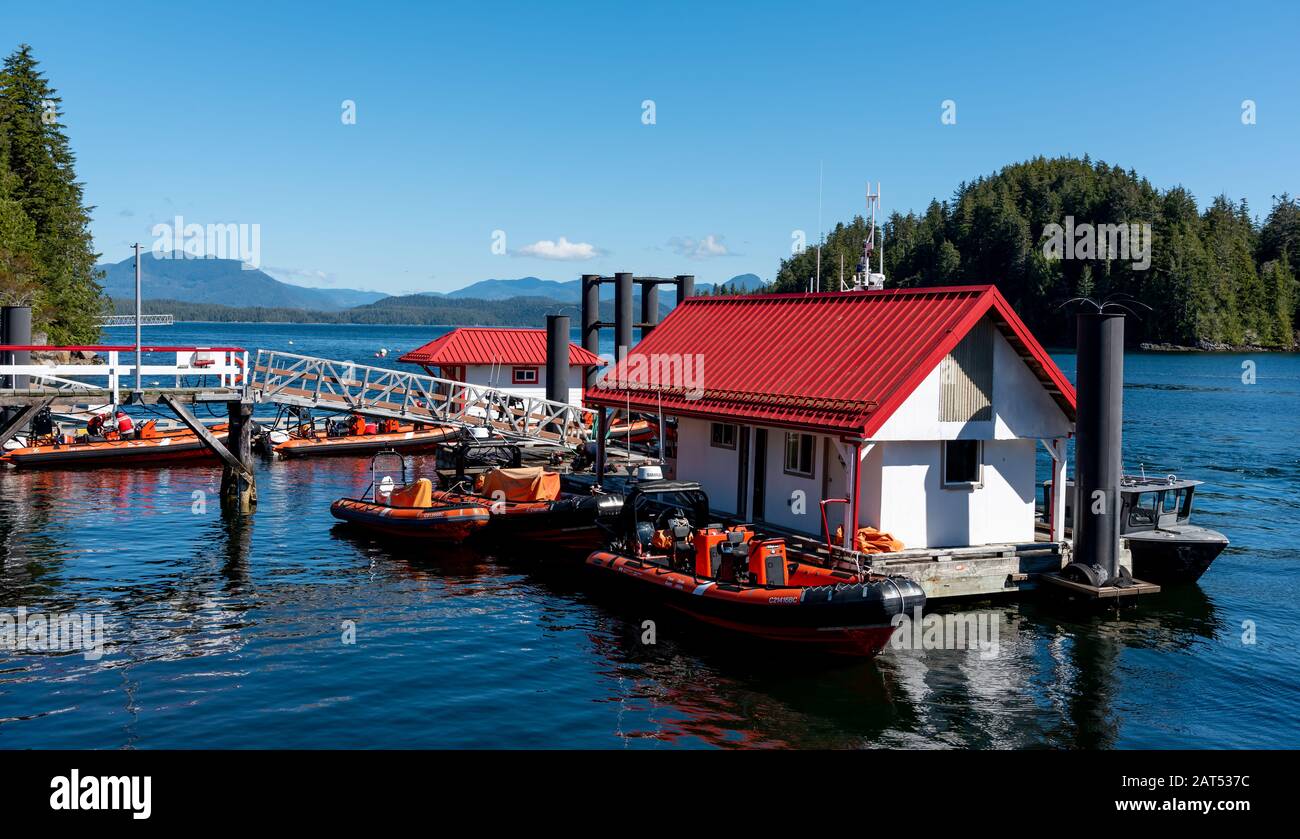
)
(157, 451)
(1174, 556)
(323, 446)
(854, 619)
(567, 523)
(443, 523)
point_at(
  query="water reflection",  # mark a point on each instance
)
(230, 633)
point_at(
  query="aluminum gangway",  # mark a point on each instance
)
(326, 384)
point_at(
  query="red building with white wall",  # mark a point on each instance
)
(924, 408)
(512, 360)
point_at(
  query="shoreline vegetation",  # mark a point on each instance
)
(1220, 277)
(407, 310)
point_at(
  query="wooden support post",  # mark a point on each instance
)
(238, 486)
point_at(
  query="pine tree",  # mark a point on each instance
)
(43, 183)
(1209, 279)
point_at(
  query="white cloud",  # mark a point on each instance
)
(706, 248)
(563, 250)
(301, 276)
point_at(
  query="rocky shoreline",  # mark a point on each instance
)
(1213, 346)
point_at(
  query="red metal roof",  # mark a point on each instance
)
(831, 362)
(485, 345)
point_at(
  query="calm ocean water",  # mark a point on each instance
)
(231, 635)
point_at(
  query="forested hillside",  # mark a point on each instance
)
(1217, 276)
(46, 256)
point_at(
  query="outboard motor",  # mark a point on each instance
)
(43, 424)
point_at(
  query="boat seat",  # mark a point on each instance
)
(682, 538)
(418, 494)
(767, 560)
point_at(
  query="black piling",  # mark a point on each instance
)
(1098, 445)
(591, 322)
(557, 358)
(685, 286)
(17, 330)
(649, 307)
(622, 314)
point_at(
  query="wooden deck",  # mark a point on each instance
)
(95, 395)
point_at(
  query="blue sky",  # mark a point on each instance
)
(527, 118)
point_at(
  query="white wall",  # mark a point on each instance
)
(1021, 407)
(713, 468)
(782, 506)
(919, 511)
(499, 378)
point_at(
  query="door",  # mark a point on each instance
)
(760, 472)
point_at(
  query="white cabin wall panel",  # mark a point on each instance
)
(1003, 507)
(1021, 404)
(918, 510)
(698, 460)
(779, 501)
(500, 379)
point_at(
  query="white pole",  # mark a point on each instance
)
(137, 319)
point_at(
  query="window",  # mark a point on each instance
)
(961, 463)
(799, 454)
(1174, 502)
(523, 376)
(1143, 509)
(722, 436)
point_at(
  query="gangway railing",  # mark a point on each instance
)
(307, 381)
(223, 367)
(129, 320)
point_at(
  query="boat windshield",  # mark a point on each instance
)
(1142, 512)
(1176, 504)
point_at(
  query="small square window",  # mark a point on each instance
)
(722, 435)
(524, 376)
(962, 463)
(799, 454)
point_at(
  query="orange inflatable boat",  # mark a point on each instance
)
(727, 577)
(415, 514)
(392, 506)
(151, 448)
(359, 437)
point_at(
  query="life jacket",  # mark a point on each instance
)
(125, 425)
(390, 426)
(358, 425)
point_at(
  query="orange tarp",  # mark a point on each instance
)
(531, 483)
(418, 494)
(872, 541)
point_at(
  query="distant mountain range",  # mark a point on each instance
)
(221, 290)
(570, 291)
(221, 281)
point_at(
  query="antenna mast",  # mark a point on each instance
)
(865, 279)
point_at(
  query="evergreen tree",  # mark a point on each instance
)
(1205, 280)
(43, 184)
